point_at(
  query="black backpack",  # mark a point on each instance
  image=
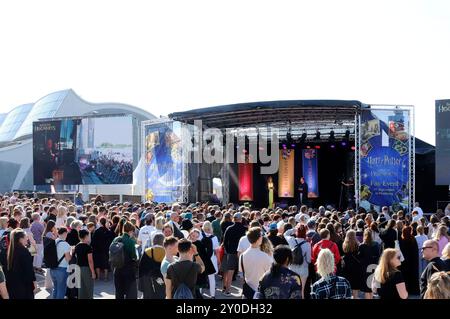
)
(51, 254)
(208, 244)
(297, 253)
(4, 243)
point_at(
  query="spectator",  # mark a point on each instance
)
(37, 228)
(59, 274)
(151, 281)
(211, 244)
(389, 235)
(351, 269)
(300, 242)
(146, 231)
(20, 278)
(83, 255)
(125, 277)
(171, 251)
(388, 281)
(441, 237)
(101, 240)
(231, 239)
(184, 270)
(410, 265)
(273, 236)
(326, 243)
(438, 286)
(3, 290)
(420, 239)
(430, 252)
(368, 256)
(253, 263)
(280, 282)
(446, 256)
(217, 231)
(329, 286)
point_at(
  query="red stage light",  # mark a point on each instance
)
(353, 148)
(317, 147)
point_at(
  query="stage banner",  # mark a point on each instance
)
(286, 174)
(245, 172)
(310, 172)
(384, 158)
(163, 162)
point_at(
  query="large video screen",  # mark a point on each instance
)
(88, 151)
(443, 142)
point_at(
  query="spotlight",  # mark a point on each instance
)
(344, 143)
(353, 148)
(292, 145)
(308, 147)
(284, 146)
(317, 147)
(332, 146)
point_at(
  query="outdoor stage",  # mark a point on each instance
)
(374, 145)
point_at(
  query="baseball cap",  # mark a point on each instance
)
(238, 216)
(273, 226)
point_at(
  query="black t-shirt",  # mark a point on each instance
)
(277, 240)
(82, 251)
(388, 290)
(184, 271)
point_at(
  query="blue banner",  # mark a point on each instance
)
(163, 162)
(384, 154)
(310, 172)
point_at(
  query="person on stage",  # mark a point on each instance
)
(303, 191)
(270, 187)
(350, 192)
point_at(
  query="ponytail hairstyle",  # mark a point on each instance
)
(16, 235)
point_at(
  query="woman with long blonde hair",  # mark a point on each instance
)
(61, 216)
(388, 281)
(266, 246)
(438, 286)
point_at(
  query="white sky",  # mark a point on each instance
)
(168, 55)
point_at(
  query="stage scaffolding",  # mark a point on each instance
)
(293, 117)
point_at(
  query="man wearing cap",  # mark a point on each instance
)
(230, 261)
(273, 236)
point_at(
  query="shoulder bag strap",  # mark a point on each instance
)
(64, 255)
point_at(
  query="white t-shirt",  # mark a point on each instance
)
(243, 245)
(144, 233)
(256, 264)
(419, 211)
(61, 249)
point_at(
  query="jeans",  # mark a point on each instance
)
(59, 278)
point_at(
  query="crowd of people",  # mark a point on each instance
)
(188, 251)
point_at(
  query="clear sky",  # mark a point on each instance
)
(170, 55)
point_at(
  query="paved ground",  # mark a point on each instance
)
(105, 289)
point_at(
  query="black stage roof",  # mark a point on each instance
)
(302, 113)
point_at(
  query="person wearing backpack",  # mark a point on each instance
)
(151, 281)
(211, 244)
(123, 260)
(182, 274)
(301, 255)
(57, 257)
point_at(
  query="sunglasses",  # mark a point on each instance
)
(423, 248)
